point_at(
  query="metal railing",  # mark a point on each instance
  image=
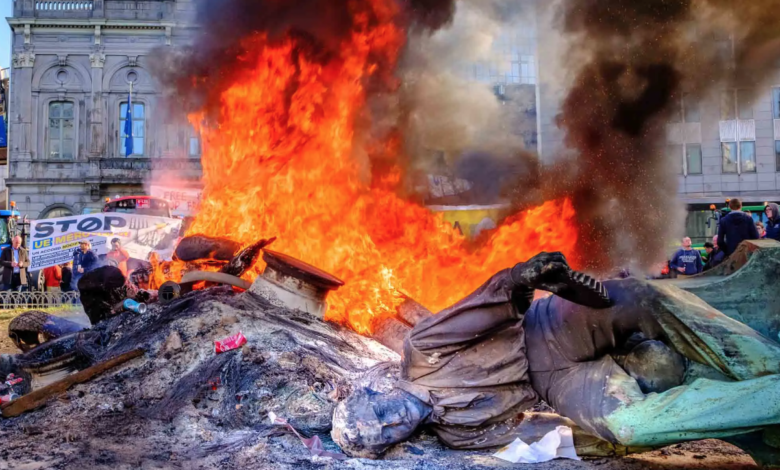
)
(59, 5)
(36, 300)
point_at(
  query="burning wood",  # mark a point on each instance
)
(39, 397)
(246, 258)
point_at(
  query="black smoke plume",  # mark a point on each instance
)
(634, 61)
(198, 75)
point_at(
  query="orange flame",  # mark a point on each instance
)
(284, 162)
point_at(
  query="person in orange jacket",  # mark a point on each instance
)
(118, 255)
(52, 277)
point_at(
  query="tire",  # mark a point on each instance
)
(37, 281)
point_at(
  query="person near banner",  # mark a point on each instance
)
(15, 262)
(66, 284)
(84, 261)
(52, 277)
(118, 255)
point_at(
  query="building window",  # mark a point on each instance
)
(194, 147)
(776, 103)
(691, 109)
(728, 110)
(56, 212)
(744, 104)
(736, 104)
(729, 157)
(747, 157)
(138, 116)
(62, 134)
(777, 155)
(693, 159)
(738, 157)
(675, 154)
(688, 111)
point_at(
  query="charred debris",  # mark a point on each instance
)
(211, 352)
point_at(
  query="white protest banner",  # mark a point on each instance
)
(54, 240)
(183, 202)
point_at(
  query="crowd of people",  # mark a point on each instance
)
(734, 228)
(59, 278)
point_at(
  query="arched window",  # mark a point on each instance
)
(54, 212)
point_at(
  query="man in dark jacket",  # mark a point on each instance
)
(715, 255)
(15, 262)
(67, 278)
(84, 261)
(735, 228)
(773, 221)
(687, 260)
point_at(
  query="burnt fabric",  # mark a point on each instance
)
(469, 363)
(483, 362)
(570, 366)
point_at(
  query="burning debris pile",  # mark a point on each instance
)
(217, 398)
(221, 377)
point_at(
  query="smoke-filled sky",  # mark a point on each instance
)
(626, 65)
(632, 62)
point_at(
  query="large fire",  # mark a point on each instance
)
(286, 160)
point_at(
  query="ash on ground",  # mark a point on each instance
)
(181, 406)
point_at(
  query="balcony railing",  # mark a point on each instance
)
(147, 164)
(62, 5)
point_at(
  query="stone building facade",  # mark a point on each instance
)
(73, 64)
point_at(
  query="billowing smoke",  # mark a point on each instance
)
(432, 105)
(635, 60)
(443, 107)
(627, 67)
(201, 72)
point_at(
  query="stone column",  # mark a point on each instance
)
(97, 142)
(21, 108)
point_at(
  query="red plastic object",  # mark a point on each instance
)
(230, 343)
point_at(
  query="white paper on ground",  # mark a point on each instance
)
(558, 443)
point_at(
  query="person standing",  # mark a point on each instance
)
(772, 211)
(67, 277)
(52, 277)
(687, 260)
(735, 228)
(716, 257)
(15, 262)
(118, 255)
(761, 230)
(84, 261)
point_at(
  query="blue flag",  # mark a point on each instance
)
(3, 134)
(129, 126)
